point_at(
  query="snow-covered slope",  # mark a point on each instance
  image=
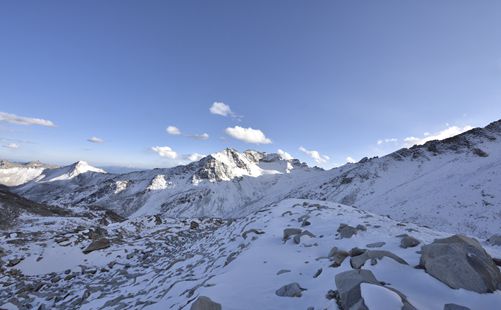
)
(14, 174)
(67, 172)
(155, 262)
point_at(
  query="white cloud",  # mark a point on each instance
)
(350, 160)
(248, 135)
(284, 154)
(164, 151)
(12, 146)
(220, 108)
(173, 130)
(95, 140)
(203, 137)
(315, 155)
(195, 157)
(444, 134)
(388, 140)
(21, 120)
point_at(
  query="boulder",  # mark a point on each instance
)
(99, 244)
(349, 293)
(194, 225)
(358, 261)
(409, 242)
(376, 244)
(337, 256)
(346, 231)
(461, 262)
(494, 240)
(455, 307)
(290, 290)
(205, 303)
(288, 232)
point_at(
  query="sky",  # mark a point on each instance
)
(160, 83)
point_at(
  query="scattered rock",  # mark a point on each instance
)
(205, 303)
(254, 231)
(319, 271)
(461, 262)
(409, 242)
(194, 225)
(290, 290)
(455, 307)
(346, 231)
(495, 240)
(288, 232)
(376, 244)
(356, 251)
(281, 271)
(337, 256)
(99, 244)
(14, 262)
(358, 261)
(349, 293)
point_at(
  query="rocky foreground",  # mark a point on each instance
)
(297, 254)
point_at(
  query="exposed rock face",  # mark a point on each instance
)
(290, 290)
(350, 293)
(358, 261)
(495, 240)
(205, 303)
(461, 262)
(288, 232)
(99, 244)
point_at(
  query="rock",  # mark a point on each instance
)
(281, 271)
(376, 244)
(361, 227)
(319, 271)
(461, 262)
(290, 290)
(349, 293)
(337, 256)
(455, 307)
(494, 240)
(205, 303)
(194, 225)
(356, 252)
(346, 231)
(252, 230)
(409, 242)
(288, 232)
(358, 261)
(14, 262)
(99, 244)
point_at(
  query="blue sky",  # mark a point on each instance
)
(335, 77)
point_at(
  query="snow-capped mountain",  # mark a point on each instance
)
(13, 174)
(449, 185)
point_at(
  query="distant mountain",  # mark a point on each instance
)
(13, 174)
(450, 185)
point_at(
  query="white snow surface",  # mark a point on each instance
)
(236, 263)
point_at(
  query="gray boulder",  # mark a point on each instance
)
(461, 262)
(358, 261)
(350, 293)
(346, 231)
(205, 303)
(409, 242)
(288, 232)
(98, 244)
(290, 290)
(495, 240)
(337, 256)
(376, 244)
(455, 307)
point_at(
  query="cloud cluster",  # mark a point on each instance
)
(164, 151)
(202, 137)
(315, 155)
(173, 130)
(444, 134)
(387, 140)
(195, 157)
(220, 108)
(12, 146)
(95, 140)
(350, 160)
(248, 135)
(21, 120)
